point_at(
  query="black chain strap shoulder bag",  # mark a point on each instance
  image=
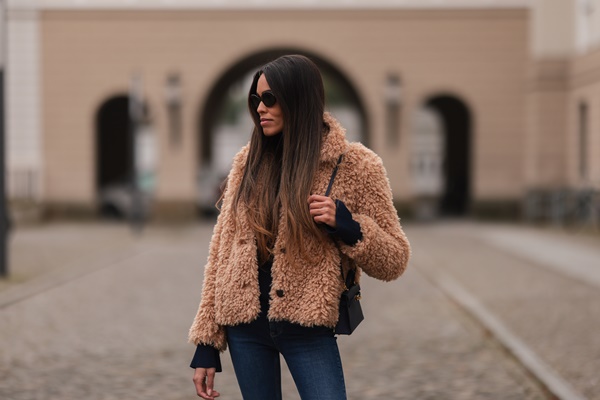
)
(350, 310)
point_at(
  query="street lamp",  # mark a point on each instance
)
(173, 95)
(392, 94)
(4, 219)
(136, 115)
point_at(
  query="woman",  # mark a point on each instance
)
(272, 283)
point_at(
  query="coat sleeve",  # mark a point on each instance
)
(204, 329)
(384, 251)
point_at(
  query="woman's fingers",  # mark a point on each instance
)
(204, 380)
(210, 381)
(321, 203)
(322, 209)
(318, 198)
(199, 379)
(213, 396)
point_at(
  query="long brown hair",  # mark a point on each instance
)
(280, 170)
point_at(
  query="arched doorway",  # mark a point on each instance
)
(118, 153)
(442, 154)
(113, 142)
(225, 126)
(114, 150)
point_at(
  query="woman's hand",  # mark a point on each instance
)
(204, 379)
(322, 209)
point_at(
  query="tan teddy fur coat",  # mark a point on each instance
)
(311, 290)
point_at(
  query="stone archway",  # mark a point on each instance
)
(449, 154)
(218, 142)
(114, 152)
(118, 152)
(113, 142)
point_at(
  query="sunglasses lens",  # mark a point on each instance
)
(255, 101)
(269, 99)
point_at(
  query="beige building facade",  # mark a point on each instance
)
(562, 168)
(513, 102)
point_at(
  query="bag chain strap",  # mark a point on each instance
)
(351, 273)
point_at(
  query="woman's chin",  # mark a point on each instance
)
(270, 132)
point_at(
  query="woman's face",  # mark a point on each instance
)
(271, 118)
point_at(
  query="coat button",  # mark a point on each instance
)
(279, 293)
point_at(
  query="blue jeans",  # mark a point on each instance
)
(311, 355)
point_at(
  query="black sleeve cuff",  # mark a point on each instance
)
(206, 357)
(348, 230)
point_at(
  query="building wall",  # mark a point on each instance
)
(478, 55)
(553, 28)
(564, 74)
(23, 107)
(585, 88)
(553, 44)
(587, 21)
(546, 139)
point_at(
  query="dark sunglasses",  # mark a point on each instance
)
(267, 98)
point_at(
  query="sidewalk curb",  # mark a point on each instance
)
(574, 260)
(551, 382)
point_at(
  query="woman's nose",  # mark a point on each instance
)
(261, 109)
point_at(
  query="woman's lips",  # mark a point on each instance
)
(265, 121)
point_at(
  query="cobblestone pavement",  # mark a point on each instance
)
(546, 302)
(119, 331)
(43, 249)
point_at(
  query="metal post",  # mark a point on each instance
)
(393, 104)
(173, 100)
(135, 116)
(4, 219)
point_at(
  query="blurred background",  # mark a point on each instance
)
(127, 113)
(478, 108)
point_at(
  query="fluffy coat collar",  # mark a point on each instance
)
(334, 142)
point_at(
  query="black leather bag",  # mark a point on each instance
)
(351, 314)
(350, 311)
